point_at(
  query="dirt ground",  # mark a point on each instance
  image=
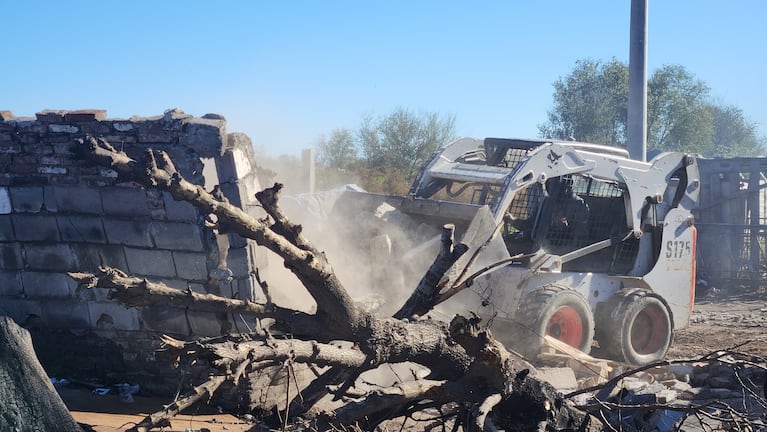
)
(108, 414)
(723, 323)
(716, 324)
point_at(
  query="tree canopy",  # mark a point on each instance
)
(591, 103)
(385, 153)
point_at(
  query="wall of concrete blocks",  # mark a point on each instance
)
(59, 213)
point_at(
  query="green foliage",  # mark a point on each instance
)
(733, 134)
(338, 151)
(678, 117)
(591, 103)
(401, 141)
(393, 148)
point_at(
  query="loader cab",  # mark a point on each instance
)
(568, 213)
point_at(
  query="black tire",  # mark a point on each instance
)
(553, 310)
(634, 327)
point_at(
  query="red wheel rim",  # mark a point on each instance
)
(649, 330)
(566, 325)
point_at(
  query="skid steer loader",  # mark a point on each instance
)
(577, 241)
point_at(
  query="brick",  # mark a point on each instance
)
(122, 127)
(6, 115)
(51, 170)
(123, 201)
(31, 180)
(90, 256)
(5, 201)
(11, 257)
(95, 128)
(27, 199)
(10, 148)
(179, 210)
(63, 128)
(35, 227)
(10, 284)
(6, 228)
(85, 115)
(191, 266)
(75, 199)
(56, 257)
(65, 313)
(128, 232)
(47, 285)
(81, 229)
(166, 319)
(176, 236)
(150, 262)
(39, 148)
(23, 168)
(110, 315)
(50, 116)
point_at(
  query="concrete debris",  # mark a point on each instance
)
(659, 398)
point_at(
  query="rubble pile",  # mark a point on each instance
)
(716, 391)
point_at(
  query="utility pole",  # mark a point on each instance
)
(637, 109)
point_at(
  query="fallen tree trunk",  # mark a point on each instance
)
(469, 370)
(28, 401)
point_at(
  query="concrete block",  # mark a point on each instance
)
(5, 201)
(238, 262)
(128, 232)
(112, 316)
(90, 257)
(205, 136)
(166, 319)
(6, 228)
(191, 266)
(27, 199)
(208, 324)
(78, 199)
(245, 289)
(178, 284)
(150, 262)
(82, 229)
(123, 201)
(11, 257)
(666, 396)
(35, 227)
(44, 285)
(54, 257)
(24, 312)
(10, 284)
(176, 236)
(560, 378)
(65, 313)
(179, 210)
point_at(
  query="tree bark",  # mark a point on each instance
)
(28, 401)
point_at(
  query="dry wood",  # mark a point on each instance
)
(162, 417)
(467, 366)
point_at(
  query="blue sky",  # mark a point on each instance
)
(287, 72)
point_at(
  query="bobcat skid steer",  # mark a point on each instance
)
(578, 241)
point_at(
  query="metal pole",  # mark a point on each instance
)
(637, 109)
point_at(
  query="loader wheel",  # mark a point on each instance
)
(553, 310)
(634, 328)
